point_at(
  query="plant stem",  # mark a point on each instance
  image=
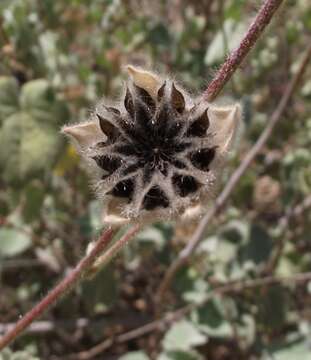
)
(107, 256)
(233, 181)
(295, 213)
(59, 290)
(163, 323)
(235, 59)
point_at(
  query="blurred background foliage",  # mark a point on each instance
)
(56, 59)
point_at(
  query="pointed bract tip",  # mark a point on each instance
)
(84, 134)
(144, 79)
(178, 100)
(226, 121)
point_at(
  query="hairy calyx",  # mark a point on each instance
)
(158, 151)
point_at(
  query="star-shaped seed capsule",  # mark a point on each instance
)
(157, 153)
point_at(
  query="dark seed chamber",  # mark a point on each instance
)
(148, 141)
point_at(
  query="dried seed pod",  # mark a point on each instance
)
(157, 154)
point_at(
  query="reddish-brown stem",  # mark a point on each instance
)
(234, 179)
(163, 323)
(283, 224)
(235, 59)
(108, 255)
(62, 288)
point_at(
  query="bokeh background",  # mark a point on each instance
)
(57, 58)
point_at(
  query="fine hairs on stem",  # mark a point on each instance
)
(59, 290)
(189, 249)
(126, 190)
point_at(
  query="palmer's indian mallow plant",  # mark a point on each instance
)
(157, 153)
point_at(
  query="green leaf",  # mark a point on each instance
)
(180, 355)
(38, 99)
(234, 10)
(236, 231)
(29, 139)
(210, 320)
(183, 336)
(91, 222)
(152, 235)
(7, 354)
(37, 94)
(246, 329)
(34, 196)
(291, 350)
(197, 294)
(217, 48)
(26, 147)
(159, 35)
(101, 292)
(273, 307)
(134, 355)
(258, 247)
(8, 97)
(13, 242)
(226, 252)
(185, 280)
